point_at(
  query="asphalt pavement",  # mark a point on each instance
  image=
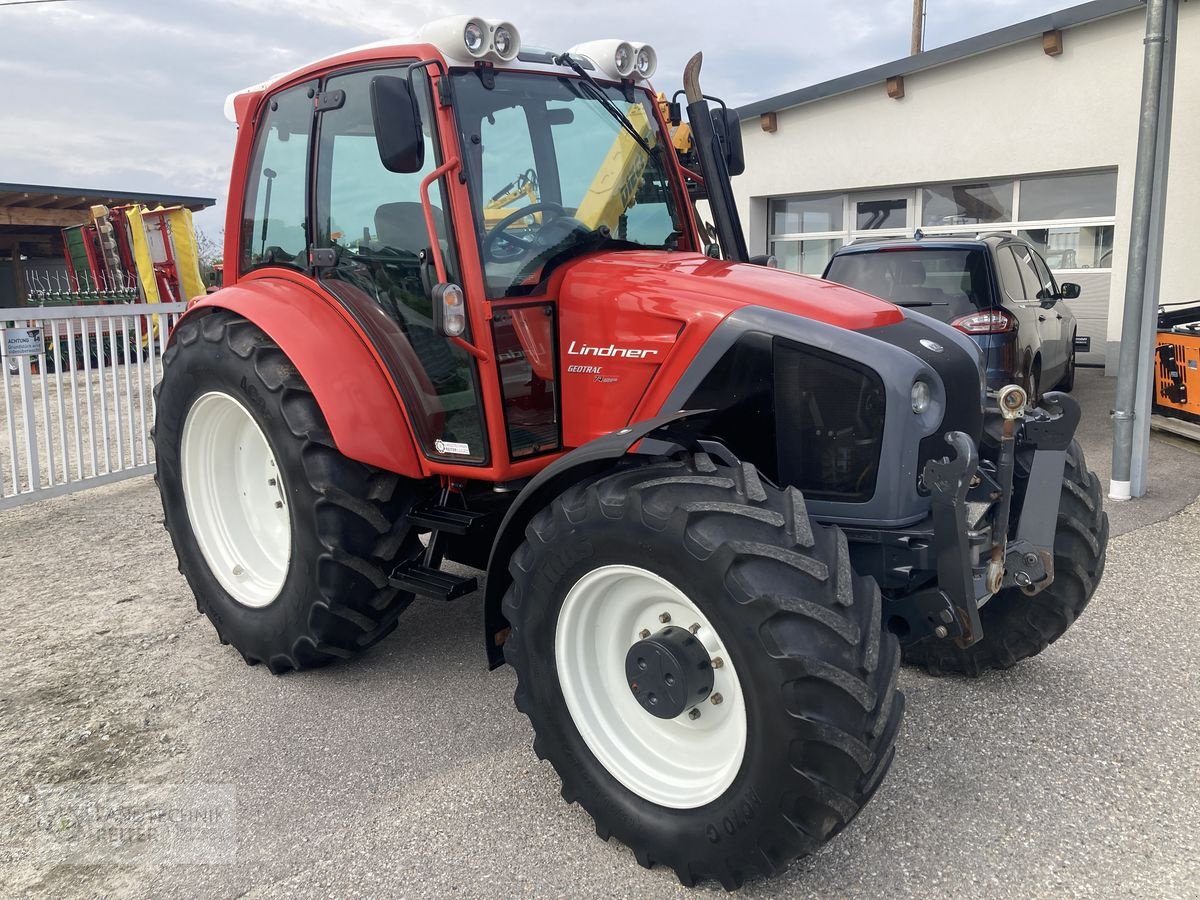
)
(408, 772)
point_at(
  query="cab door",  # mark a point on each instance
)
(524, 331)
(369, 224)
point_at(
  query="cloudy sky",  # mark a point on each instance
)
(128, 94)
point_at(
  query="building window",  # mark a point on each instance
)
(797, 215)
(1069, 217)
(1073, 246)
(1086, 195)
(806, 230)
(976, 203)
(876, 215)
(808, 257)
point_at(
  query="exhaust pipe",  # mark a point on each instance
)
(712, 166)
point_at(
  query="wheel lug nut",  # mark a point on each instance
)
(716, 699)
(279, 504)
(717, 662)
(941, 631)
(271, 482)
(644, 633)
(694, 627)
(664, 618)
(694, 714)
(238, 571)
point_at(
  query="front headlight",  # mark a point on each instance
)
(921, 396)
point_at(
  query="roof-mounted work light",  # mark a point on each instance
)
(619, 60)
(473, 39)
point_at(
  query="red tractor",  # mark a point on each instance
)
(716, 503)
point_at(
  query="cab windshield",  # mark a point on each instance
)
(553, 173)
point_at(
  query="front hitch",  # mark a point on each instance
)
(1011, 400)
(951, 608)
(1048, 432)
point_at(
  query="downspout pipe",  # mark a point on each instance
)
(712, 166)
(1144, 402)
(1140, 234)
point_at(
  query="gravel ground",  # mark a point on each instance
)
(407, 771)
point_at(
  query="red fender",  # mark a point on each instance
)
(361, 405)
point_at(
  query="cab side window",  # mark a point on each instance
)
(274, 226)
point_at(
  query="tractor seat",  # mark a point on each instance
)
(401, 226)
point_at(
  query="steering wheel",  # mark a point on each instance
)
(498, 237)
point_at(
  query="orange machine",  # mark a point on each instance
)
(1177, 357)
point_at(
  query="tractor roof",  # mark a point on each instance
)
(442, 39)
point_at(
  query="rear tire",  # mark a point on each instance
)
(344, 523)
(815, 673)
(1016, 625)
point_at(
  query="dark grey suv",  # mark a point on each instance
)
(995, 288)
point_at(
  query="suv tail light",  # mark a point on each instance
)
(988, 321)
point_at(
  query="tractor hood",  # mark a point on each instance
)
(691, 286)
(632, 322)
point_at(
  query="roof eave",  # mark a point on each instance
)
(1061, 20)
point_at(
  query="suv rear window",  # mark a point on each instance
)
(943, 283)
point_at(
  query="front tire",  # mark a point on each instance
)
(286, 543)
(1068, 380)
(1016, 625)
(731, 786)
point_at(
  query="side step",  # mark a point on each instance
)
(433, 584)
(445, 519)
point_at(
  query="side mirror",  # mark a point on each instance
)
(1069, 290)
(397, 123)
(728, 127)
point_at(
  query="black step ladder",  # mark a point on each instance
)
(423, 576)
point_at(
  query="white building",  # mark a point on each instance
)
(1031, 129)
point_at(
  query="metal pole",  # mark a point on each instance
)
(1162, 166)
(1139, 248)
(918, 27)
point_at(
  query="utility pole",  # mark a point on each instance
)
(1131, 416)
(918, 27)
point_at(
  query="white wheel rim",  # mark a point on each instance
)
(681, 763)
(235, 499)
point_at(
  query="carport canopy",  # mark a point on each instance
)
(32, 217)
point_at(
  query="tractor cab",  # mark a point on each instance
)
(439, 191)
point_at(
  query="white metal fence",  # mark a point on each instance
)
(78, 412)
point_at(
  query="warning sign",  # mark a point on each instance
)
(23, 341)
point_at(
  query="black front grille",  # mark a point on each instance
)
(829, 423)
